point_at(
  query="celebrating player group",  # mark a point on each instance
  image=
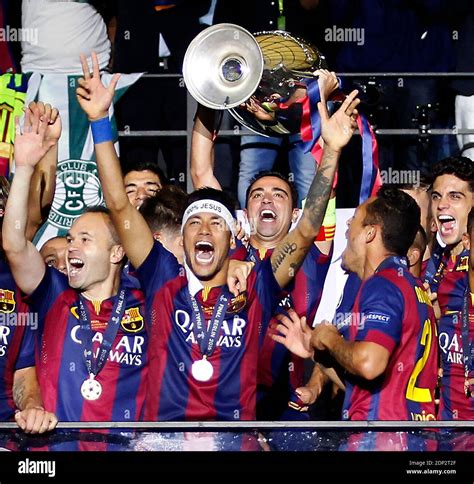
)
(166, 310)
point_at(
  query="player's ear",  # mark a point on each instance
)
(117, 254)
(414, 254)
(466, 241)
(157, 236)
(181, 241)
(295, 215)
(371, 233)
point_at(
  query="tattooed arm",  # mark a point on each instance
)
(31, 417)
(336, 132)
(361, 358)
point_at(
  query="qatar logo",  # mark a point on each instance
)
(77, 187)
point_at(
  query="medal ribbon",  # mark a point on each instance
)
(434, 266)
(95, 365)
(207, 338)
(467, 346)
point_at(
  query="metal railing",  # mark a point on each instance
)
(239, 131)
(308, 425)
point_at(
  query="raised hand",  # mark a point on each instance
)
(338, 129)
(54, 127)
(294, 333)
(31, 145)
(93, 97)
(327, 82)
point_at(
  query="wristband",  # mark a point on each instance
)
(102, 131)
(328, 228)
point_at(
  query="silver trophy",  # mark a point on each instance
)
(261, 79)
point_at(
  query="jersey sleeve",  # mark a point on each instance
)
(159, 267)
(26, 355)
(48, 290)
(381, 307)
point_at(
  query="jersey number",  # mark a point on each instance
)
(413, 392)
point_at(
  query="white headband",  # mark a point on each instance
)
(209, 206)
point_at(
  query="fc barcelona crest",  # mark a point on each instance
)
(7, 301)
(132, 321)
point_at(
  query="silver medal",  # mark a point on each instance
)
(202, 370)
(91, 389)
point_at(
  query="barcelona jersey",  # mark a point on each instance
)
(230, 394)
(393, 310)
(17, 328)
(280, 372)
(60, 362)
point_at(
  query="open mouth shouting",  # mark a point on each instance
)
(267, 215)
(204, 252)
(75, 266)
(447, 225)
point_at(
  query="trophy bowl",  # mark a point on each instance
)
(262, 79)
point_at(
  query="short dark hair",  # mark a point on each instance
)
(164, 211)
(470, 221)
(263, 174)
(399, 217)
(105, 211)
(421, 240)
(459, 166)
(142, 166)
(212, 194)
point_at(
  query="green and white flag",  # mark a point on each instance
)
(77, 180)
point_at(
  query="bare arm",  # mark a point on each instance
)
(336, 132)
(366, 359)
(25, 261)
(41, 194)
(202, 150)
(32, 417)
(95, 99)
(26, 391)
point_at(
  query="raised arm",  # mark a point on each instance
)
(26, 263)
(43, 182)
(95, 100)
(336, 132)
(202, 150)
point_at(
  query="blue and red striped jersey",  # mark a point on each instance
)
(451, 276)
(453, 279)
(60, 363)
(230, 394)
(393, 310)
(280, 372)
(454, 405)
(343, 315)
(17, 350)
